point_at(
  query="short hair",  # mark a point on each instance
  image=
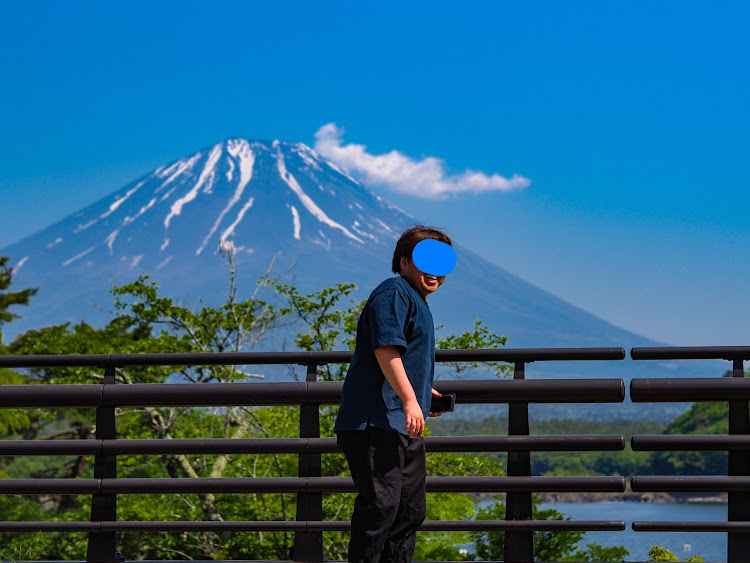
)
(410, 238)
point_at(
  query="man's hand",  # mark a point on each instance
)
(414, 418)
(434, 414)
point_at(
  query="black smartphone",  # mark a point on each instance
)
(444, 403)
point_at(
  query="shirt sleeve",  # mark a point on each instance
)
(389, 314)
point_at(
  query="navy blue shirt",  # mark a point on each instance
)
(395, 315)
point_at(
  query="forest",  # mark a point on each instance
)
(701, 418)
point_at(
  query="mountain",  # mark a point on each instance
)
(268, 198)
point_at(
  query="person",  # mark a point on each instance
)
(386, 397)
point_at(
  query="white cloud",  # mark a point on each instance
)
(425, 178)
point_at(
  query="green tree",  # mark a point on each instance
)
(657, 553)
(701, 418)
(149, 322)
(481, 338)
(326, 326)
(11, 420)
(10, 298)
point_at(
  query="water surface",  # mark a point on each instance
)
(711, 546)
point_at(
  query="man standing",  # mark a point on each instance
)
(386, 397)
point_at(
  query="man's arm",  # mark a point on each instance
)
(393, 368)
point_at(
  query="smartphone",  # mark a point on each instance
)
(444, 403)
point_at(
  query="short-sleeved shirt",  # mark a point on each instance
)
(395, 315)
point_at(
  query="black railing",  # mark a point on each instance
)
(735, 391)
(310, 484)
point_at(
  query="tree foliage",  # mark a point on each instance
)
(10, 298)
(657, 553)
(701, 418)
(325, 325)
(11, 420)
(149, 322)
(481, 338)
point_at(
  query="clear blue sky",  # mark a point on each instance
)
(631, 120)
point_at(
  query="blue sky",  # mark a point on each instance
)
(630, 122)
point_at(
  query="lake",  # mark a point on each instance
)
(711, 546)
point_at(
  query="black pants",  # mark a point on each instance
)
(388, 469)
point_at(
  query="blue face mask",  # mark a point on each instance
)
(434, 257)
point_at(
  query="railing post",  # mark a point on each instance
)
(519, 546)
(101, 545)
(738, 544)
(308, 546)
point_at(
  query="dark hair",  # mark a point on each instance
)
(410, 238)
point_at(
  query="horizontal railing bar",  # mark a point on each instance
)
(691, 353)
(604, 442)
(301, 484)
(693, 442)
(50, 486)
(295, 393)
(232, 358)
(535, 390)
(690, 389)
(531, 355)
(526, 484)
(55, 360)
(19, 396)
(308, 526)
(260, 358)
(174, 359)
(524, 525)
(678, 484)
(50, 526)
(51, 447)
(648, 526)
(221, 394)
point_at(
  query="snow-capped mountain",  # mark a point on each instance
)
(261, 198)
(265, 198)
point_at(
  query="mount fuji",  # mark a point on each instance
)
(266, 199)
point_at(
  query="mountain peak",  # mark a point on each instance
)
(265, 196)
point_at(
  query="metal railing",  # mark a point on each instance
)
(734, 390)
(310, 484)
